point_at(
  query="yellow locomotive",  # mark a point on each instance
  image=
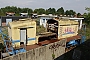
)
(24, 31)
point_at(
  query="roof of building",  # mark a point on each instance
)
(24, 13)
(44, 15)
(10, 13)
(76, 18)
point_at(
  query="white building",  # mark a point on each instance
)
(10, 14)
(43, 19)
(23, 14)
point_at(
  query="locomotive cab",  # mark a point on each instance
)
(52, 32)
(52, 26)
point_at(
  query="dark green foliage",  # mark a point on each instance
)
(1, 46)
(87, 22)
(39, 11)
(87, 16)
(53, 56)
(40, 29)
(36, 11)
(51, 11)
(14, 9)
(70, 12)
(19, 10)
(60, 11)
(78, 14)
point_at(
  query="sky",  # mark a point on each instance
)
(76, 5)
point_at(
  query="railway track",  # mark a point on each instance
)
(46, 42)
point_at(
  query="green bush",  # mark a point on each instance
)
(40, 29)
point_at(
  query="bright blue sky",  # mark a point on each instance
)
(76, 5)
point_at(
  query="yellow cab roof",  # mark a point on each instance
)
(64, 21)
(21, 23)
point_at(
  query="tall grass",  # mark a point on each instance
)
(87, 33)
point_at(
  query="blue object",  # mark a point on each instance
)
(22, 50)
(14, 41)
(72, 43)
(16, 51)
(13, 51)
(83, 38)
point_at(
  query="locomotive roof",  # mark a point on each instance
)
(22, 23)
(63, 21)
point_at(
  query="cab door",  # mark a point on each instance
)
(23, 33)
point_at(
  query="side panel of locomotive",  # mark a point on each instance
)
(67, 28)
(64, 28)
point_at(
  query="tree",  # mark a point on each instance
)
(87, 16)
(41, 11)
(10, 9)
(36, 11)
(30, 11)
(67, 12)
(88, 9)
(19, 10)
(70, 12)
(87, 19)
(51, 11)
(46, 11)
(60, 11)
(24, 10)
(15, 9)
(78, 14)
